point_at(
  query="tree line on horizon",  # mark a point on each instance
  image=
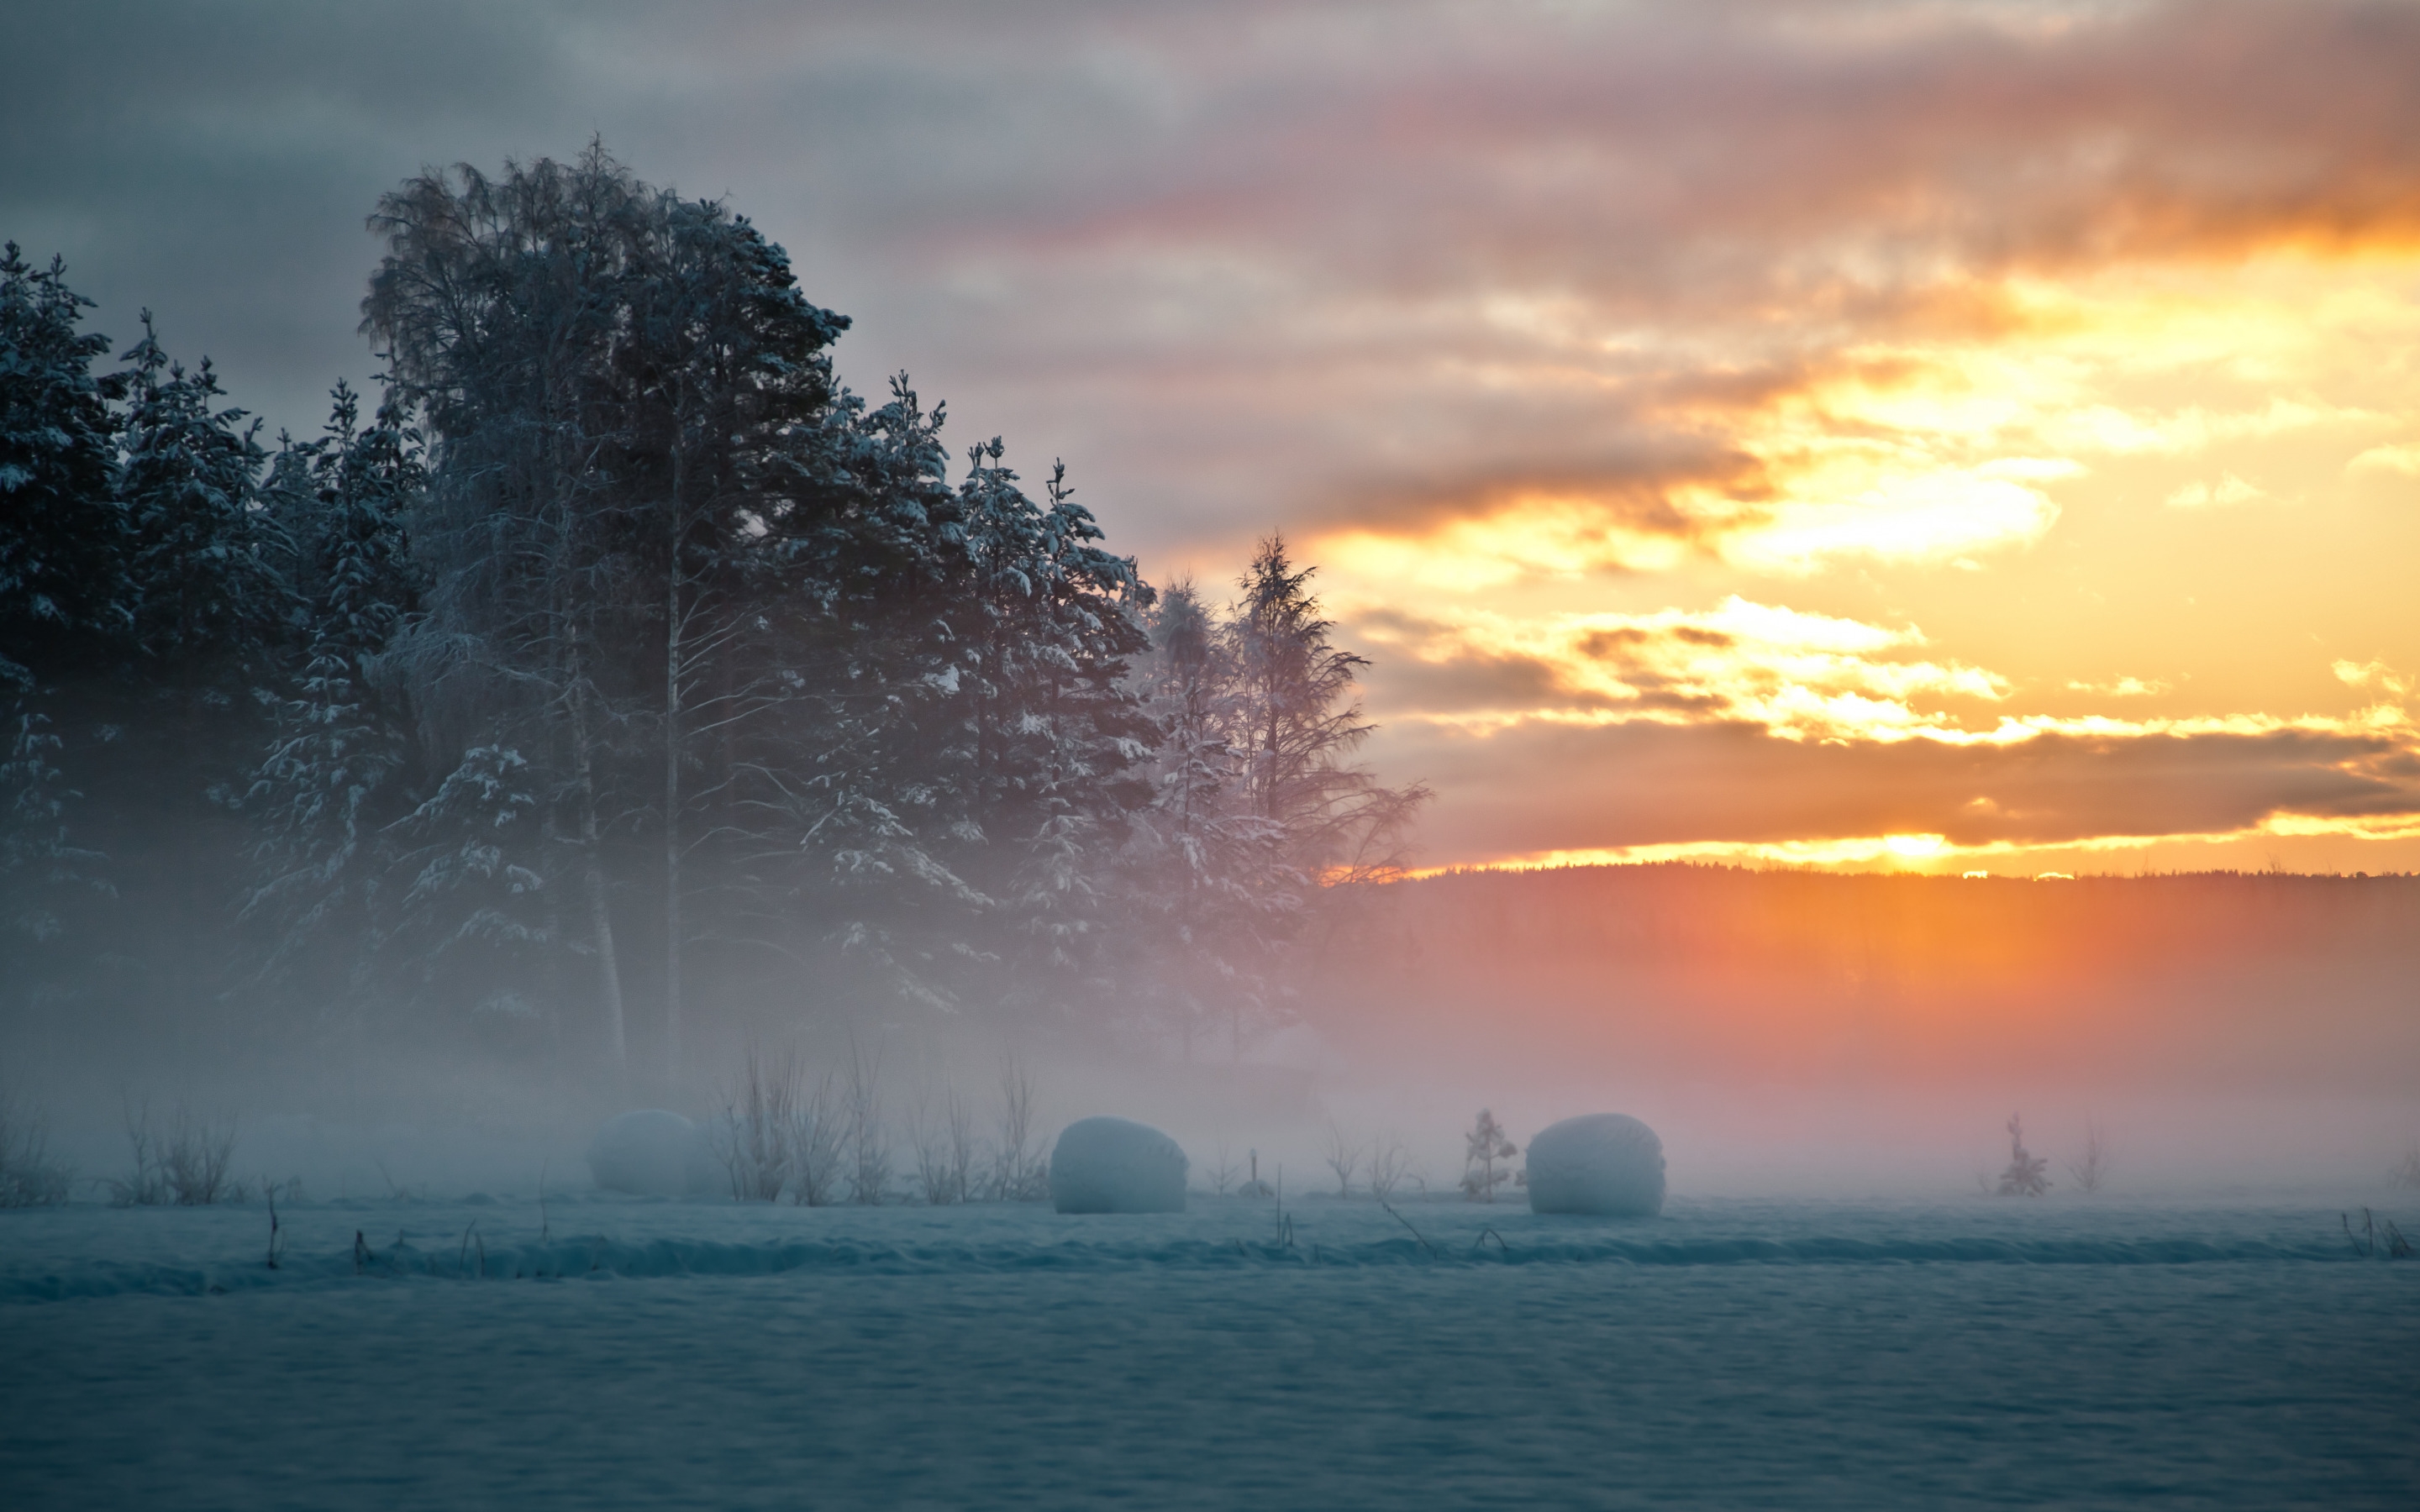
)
(619, 668)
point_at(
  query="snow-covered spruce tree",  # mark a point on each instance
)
(335, 775)
(472, 923)
(1261, 826)
(212, 607)
(1206, 920)
(837, 811)
(953, 761)
(1048, 736)
(1296, 722)
(39, 861)
(63, 596)
(177, 724)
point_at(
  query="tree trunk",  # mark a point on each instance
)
(673, 786)
(601, 914)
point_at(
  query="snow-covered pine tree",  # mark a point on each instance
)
(847, 783)
(180, 724)
(472, 927)
(1295, 724)
(211, 609)
(64, 597)
(1205, 922)
(1258, 816)
(1051, 736)
(38, 859)
(331, 779)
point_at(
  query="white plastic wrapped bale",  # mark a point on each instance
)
(1116, 1165)
(653, 1153)
(1605, 1163)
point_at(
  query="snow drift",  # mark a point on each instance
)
(1605, 1163)
(652, 1153)
(1116, 1165)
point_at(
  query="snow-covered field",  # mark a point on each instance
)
(1732, 1353)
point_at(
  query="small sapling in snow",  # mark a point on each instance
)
(1019, 1172)
(2092, 1171)
(184, 1164)
(1223, 1175)
(755, 1136)
(1389, 1168)
(2024, 1178)
(1485, 1145)
(1343, 1158)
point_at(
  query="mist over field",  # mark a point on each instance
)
(1790, 1033)
(1850, 1034)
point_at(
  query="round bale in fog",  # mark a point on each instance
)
(652, 1153)
(1116, 1165)
(1607, 1163)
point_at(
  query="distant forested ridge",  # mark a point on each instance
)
(616, 671)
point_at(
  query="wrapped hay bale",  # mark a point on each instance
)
(1116, 1165)
(1605, 1163)
(652, 1153)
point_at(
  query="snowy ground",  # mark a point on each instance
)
(1730, 1355)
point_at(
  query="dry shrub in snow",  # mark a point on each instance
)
(816, 1145)
(781, 1132)
(183, 1164)
(756, 1136)
(28, 1177)
(937, 1174)
(1019, 1172)
(869, 1172)
(948, 1154)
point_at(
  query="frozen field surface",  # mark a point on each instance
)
(1728, 1355)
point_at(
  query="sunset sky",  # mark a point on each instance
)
(1931, 436)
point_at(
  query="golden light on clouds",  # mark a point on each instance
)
(1944, 450)
(1942, 468)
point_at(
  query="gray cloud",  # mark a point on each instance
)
(1226, 258)
(1538, 787)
